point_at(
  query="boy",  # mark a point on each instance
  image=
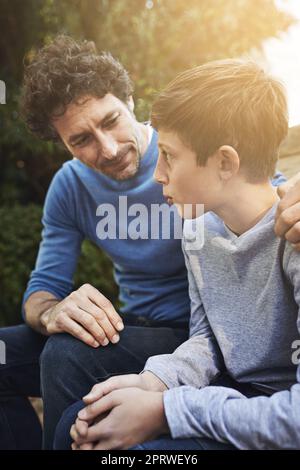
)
(220, 126)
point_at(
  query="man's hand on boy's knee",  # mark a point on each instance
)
(145, 381)
(287, 220)
(131, 416)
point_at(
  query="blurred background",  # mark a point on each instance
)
(154, 39)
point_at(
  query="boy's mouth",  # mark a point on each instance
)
(169, 199)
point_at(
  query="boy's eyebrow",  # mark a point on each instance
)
(166, 146)
(102, 121)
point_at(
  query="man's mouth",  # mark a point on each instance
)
(121, 161)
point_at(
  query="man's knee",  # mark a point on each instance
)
(60, 354)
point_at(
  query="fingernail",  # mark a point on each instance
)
(105, 342)
(120, 326)
(96, 344)
(90, 396)
(82, 414)
(115, 338)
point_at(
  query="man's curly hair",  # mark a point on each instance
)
(61, 73)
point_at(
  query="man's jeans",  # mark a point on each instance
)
(69, 368)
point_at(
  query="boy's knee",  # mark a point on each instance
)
(62, 438)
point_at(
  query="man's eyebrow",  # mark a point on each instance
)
(102, 121)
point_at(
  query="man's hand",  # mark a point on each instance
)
(287, 219)
(87, 315)
(127, 417)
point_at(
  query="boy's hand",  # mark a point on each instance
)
(132, 416)
(145, 381)
(287, 219)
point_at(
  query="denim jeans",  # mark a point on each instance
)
(68, 369)
(62, 440)
(19, 379)
(167, 443)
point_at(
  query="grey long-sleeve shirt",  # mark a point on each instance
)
(245, 298)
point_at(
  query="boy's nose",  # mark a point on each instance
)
(159, 174)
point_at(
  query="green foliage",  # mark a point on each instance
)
(27, 163)
(157, 39)
(19, 240)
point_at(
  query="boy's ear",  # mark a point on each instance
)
(130, 104)
(229, 161)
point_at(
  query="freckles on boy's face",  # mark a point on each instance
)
(184, 182)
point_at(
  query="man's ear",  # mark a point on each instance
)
(130, 104)
(229, 161)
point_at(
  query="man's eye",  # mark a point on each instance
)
(81, 142)
(112, 121)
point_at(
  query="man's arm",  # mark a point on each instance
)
(36, 310)
(50, 306)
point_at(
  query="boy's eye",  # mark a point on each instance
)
(166, 156)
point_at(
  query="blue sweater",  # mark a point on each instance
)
(151, 273)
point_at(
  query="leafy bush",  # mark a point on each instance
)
(19, 240)
(27, 163)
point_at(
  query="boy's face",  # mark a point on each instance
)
(185, 182)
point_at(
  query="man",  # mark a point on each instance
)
(220, 126)
(84, 99)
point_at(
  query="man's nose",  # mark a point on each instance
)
(160, 174)
(108, 146)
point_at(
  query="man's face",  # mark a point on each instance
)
(184, 181)
(104, 134)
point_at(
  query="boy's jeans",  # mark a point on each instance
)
(62, 440)
(69, 368)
